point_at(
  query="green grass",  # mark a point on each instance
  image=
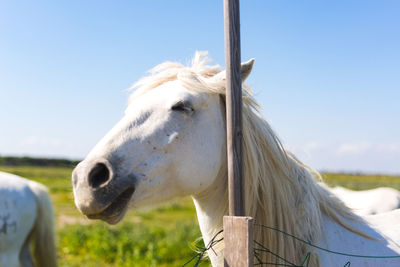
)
(361, 182)
(165, 236)
(127, 244)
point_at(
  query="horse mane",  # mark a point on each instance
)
(280, 191)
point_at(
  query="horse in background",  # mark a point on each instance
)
(26, 216)
(171, 143)
(369, 202)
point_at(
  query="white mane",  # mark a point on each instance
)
(280, 191)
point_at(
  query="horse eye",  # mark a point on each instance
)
(182, 107)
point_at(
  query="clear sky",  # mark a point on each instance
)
(327, 73)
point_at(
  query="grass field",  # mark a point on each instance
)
(165, 236)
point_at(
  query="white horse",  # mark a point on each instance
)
(172, 143)
(369, 202)
(26, 215)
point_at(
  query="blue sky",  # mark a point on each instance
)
(326, 73)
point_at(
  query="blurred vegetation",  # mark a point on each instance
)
(127, 244)
(28, 161)
(165, 236)
(361, 181)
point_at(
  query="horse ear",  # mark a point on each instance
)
(246, 69)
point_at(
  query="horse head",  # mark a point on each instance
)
(170, 143)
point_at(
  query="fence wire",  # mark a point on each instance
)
(259, 249)
(202, 250)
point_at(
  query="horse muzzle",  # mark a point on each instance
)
(100, 193)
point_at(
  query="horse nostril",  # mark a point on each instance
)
(98, 175)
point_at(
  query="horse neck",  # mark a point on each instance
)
(280, 192)
(211, 205)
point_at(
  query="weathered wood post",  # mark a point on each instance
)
(238, 230)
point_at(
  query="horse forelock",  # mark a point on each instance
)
(280, 191)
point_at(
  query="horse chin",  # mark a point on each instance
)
(116, 210)
(114, 219)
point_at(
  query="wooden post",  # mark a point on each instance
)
(238, 240)
(234, 128)
(238, 231)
